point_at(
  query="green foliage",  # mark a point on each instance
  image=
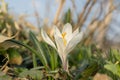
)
(114, 68)
(112, 63)
(68, 17)
(116, 54)
(14, 56)
(38, 48)
(87, 60)
(3, 76)
(32, 74)
(52, 56)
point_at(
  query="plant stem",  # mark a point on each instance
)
(65, 64)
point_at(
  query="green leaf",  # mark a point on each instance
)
(28, 47)
(116, 53)
(34, 74)
(38, 48)
(53, 56)
(67, 17)
(114, 68)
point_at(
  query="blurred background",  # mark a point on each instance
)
(97, 52)
(99, 17)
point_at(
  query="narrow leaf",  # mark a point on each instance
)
(39, 49)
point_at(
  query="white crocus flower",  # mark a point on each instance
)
(65, 41)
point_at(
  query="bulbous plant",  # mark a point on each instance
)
(64, 41)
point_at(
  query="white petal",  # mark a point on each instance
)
(59, 43)
(76, 32)
(60, 47)
(57, 31)
(72, 35)
(59, 40)
(73, 42)
(47, 39)
(68, 29)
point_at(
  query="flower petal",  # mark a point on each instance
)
(73, 42)
(59, 43)
(60, 47)
(47, 39)
(72, 35)
(68, 29)
(75, 32)
(57, 31)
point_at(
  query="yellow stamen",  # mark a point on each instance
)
(64, 34)
(64, 40)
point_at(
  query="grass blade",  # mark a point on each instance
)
(38, 48)
(29, 48)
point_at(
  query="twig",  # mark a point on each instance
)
(2, 68)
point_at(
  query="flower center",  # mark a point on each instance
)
(63, 37)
